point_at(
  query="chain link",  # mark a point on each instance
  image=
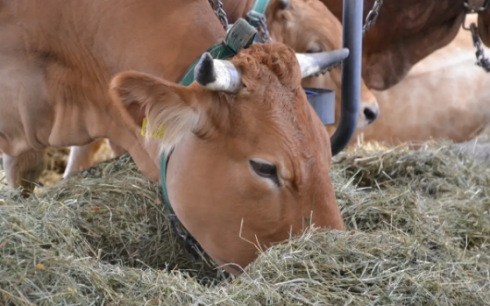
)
(481, 59)
(372, 16)
(263, 31)
(477, 6)
(217, 7)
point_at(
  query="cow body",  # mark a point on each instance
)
(55, 71)
(405, 33)
(444, 96)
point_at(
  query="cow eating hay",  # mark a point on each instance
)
(419, 236)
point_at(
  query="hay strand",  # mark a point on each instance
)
(419, 231)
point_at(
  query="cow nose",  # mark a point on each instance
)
(371, 114)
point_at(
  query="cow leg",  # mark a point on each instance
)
(24, 170)
(116, 150)
(81, 157)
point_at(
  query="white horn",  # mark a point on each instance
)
(217, 75)
(313, 63)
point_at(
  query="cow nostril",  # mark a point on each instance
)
(371, 114)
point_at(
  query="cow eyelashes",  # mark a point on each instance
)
(265, 170)
(314, 49)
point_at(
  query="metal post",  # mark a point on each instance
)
(351, 75)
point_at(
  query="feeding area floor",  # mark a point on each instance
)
(418, 234)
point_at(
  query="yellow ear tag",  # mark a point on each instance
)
(156, 134)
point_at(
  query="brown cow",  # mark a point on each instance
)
(304, 25)
(250, 158)
(443, 96)
(405, 32)
(308, 26)
(248, 163)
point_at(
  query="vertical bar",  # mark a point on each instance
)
(351, 75)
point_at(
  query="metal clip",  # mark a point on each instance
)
(475, 6)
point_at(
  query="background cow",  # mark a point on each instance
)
(443, 96)
(406, 32)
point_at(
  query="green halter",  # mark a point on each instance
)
(240, 36)
(258, 11)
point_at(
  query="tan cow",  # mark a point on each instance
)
(308, 26)
(444, 96)
(248, 159)
(304, 25)
(407, 31)
(245, 167)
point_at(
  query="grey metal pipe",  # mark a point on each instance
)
(351, 75)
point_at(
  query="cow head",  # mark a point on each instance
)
(405, 33)
(308, 26)
(250, 160)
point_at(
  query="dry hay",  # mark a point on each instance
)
(419, 234)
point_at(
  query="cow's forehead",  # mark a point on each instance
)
(284, 117)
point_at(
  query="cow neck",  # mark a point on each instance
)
(257, 12)
(239, 36)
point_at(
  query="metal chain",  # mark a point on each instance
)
(481, 59)
(263, 31)
(477, 6)
(372, 16)
(217, 6)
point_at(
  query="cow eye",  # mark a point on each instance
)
(314, 49)
(265, 170)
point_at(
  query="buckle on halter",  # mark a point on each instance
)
(474, 6)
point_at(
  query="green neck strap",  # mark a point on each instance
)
(240, 36)
(258, 11)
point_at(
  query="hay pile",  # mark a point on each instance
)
(419, 234)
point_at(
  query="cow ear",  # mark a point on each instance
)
(164, 104)
(284, 4)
